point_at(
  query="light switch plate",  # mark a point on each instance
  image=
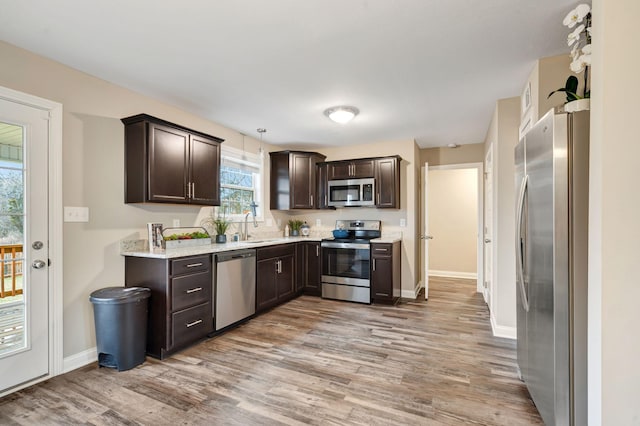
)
(76, 214)
(318, 222)
(403, 223)
(176, 223)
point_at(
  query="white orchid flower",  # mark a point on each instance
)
(575, 52)
(575, 35)
(587, 49)
(576, 15)
(578, 65)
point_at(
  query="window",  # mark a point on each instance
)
(240, 182)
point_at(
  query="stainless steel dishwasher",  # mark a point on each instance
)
(235, 287)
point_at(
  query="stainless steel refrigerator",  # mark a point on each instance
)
(552, 184)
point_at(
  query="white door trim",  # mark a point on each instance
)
(480, 196)
(54, 112)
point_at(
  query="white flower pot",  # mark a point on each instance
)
(578, 105)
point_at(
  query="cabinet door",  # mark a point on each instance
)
(387, 183)
(204, 172)
(363, 169)
(322, 185)
(266, 288)
(286, 277)
(339, 170)
(168, 164)
(303, 182)
(381, 277)
(313, 265)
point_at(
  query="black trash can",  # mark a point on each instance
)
(121, 325)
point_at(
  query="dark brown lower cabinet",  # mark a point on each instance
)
(385, 272)
(180, 311)
(309, 268)
(275, 282)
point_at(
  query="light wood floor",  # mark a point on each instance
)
(311, 361)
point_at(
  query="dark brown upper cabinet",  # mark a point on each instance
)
(387, 175)
(168, 163)
(351, 169)
(294, 180)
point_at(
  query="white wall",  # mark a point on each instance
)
(503, 133)
(614, 228)
(453, 222)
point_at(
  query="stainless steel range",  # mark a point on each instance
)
(346, 261)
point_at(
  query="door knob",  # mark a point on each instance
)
(38, 264)
(487, 240)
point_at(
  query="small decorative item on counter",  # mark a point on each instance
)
(295, 225)
(185, 237)
(154, 231)
(286, 230)
(305, 230)
(219, 224)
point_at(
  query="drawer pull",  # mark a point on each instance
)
(194, 265)
(191, 324)
(194, 290)
(382, 249)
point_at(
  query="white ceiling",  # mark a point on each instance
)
(429, 70)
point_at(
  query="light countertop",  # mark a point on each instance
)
(230, 246)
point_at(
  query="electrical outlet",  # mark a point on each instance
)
(176, 223)
(403, 223)
(318, 222)
(76, 214)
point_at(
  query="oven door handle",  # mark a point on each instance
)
(346, 245)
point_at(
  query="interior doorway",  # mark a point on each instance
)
(30, 240)
(454, 193)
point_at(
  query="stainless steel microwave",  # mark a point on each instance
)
(352, 193)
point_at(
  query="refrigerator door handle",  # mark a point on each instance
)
(519, 254)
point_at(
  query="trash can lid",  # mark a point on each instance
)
(115, 295)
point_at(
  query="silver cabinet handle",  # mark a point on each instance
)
(379, 249)
(188, 189)
(374, 265)
(193, 265)
(196, 322)
(279, 266)
(311, 199)
(193, 190)
(317, 251)
(38, 264)
(194, 290)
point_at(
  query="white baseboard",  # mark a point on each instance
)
(454, 274)
(411, 294)
(503, 331)
(80, 359)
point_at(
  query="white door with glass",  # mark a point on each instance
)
(24, 293)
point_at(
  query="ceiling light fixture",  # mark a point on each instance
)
(453, 145)
(341, 114)
(261, 131)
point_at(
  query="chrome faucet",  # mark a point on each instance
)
(244, 236)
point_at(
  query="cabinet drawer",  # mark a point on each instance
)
(190, 264)
(276, 251)
(190, 290)
(191, 324)
(381, 249)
